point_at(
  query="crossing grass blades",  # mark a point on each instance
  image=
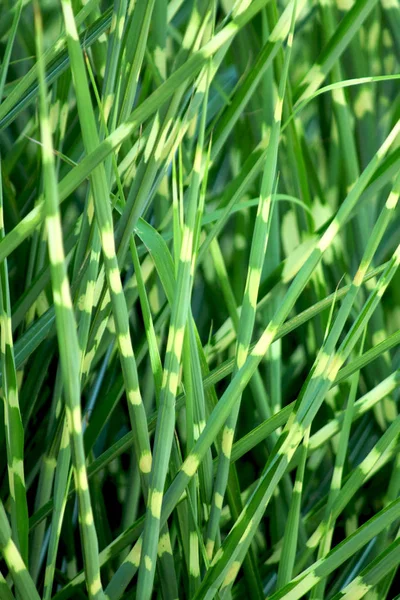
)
(199, 299)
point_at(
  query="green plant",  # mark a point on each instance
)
(199, 309)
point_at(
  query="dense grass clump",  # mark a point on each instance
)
(199, 299)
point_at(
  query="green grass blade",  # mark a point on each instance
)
(68, 341)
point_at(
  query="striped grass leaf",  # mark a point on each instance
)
(192, 461)
(28, 87)
(372, 574)
(122, 117)
(254, 437)
(248, 313)
(80, 172)
(23, 581)
(14, 431)
(68, 341)
(166, 566)
(336, 482)
(164, 429)
(290, 539)
(103, 149)
(336, 45)
(105, 225)
(224, 560)
(310, 577)
(13, 425)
